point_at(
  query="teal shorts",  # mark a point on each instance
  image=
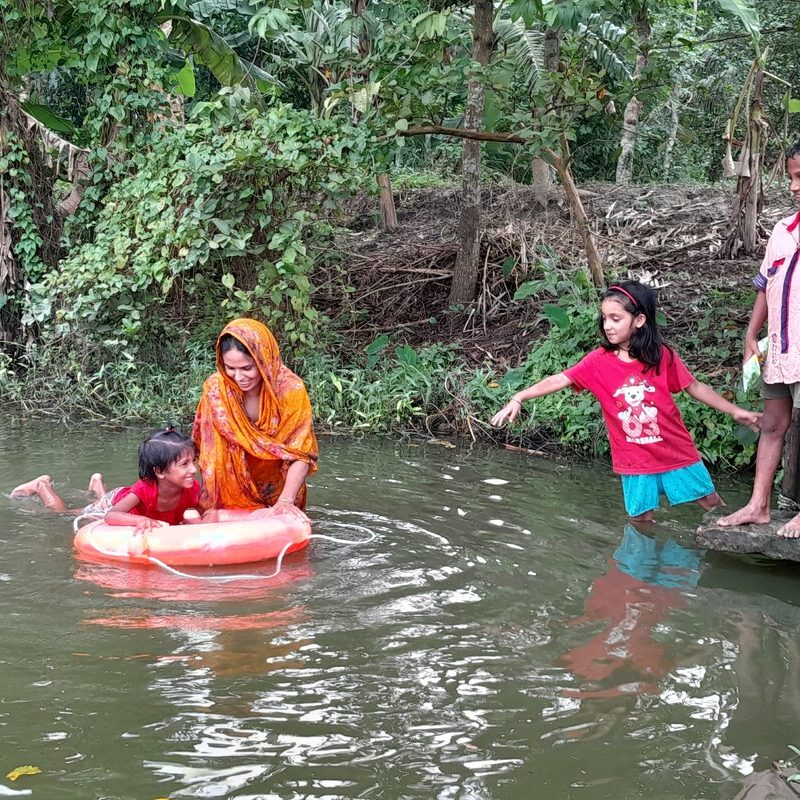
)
(642, 493)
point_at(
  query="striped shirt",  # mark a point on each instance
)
(779, 277)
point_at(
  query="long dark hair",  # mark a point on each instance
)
(161, 449)
(646, 342)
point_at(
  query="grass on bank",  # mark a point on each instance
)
(388, 389)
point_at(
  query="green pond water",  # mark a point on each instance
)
(505, 635)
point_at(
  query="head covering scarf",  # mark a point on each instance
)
(244, 463)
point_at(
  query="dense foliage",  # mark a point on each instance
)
(213, 223)
(167, 165)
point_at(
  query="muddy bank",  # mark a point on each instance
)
(398, 282)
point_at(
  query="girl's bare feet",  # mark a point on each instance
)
(30, 488)
(97, 486)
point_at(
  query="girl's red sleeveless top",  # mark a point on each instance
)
(147, 492)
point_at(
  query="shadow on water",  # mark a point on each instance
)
(505, 632)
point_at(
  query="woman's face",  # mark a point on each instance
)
(242, 370)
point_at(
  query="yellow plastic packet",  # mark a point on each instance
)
(752, 367)
(18, 772)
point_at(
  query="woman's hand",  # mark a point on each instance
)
(750, 418)
(283, 508)
(508, 413)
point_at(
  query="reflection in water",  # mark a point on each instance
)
(643, 582)
(645, 579)
(127, 581)
(767, 668)
(232, 643)
(758, 676)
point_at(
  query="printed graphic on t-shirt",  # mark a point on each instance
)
(639, 418)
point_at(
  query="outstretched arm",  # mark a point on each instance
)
(705, 394)
(508, 413)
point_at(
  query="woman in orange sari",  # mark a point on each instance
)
(253, 426)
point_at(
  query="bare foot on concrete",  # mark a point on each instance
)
(749, 515)
(791, 530)
(97, 486)
(30, 488)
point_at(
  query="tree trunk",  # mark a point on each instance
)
(357, 9)
(742, 238)
(30, 185)
(465, 271)
(542, 180)
(8, 262)
(630, 119)
(542, 177)
(69, 205)
(388, 210)
(386, 197)
(552, 47)
(41, 169)
(672, 135)
(561, 162)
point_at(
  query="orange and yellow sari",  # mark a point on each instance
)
(244, 464)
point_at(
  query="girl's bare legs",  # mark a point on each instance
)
(28, 489)
(43, 487)
(711, 501)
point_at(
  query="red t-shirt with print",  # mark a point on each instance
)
(147, 492)
(645, 428)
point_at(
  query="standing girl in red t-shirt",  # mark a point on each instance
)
(166, 490)
(634, 376)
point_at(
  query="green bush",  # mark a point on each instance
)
(393, 390)
(215, 222)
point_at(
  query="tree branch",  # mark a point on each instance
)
(460, 133)
(728, 37)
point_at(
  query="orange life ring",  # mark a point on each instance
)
(243, 537)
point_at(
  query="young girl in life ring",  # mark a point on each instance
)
(634, 375)
(167, 492)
